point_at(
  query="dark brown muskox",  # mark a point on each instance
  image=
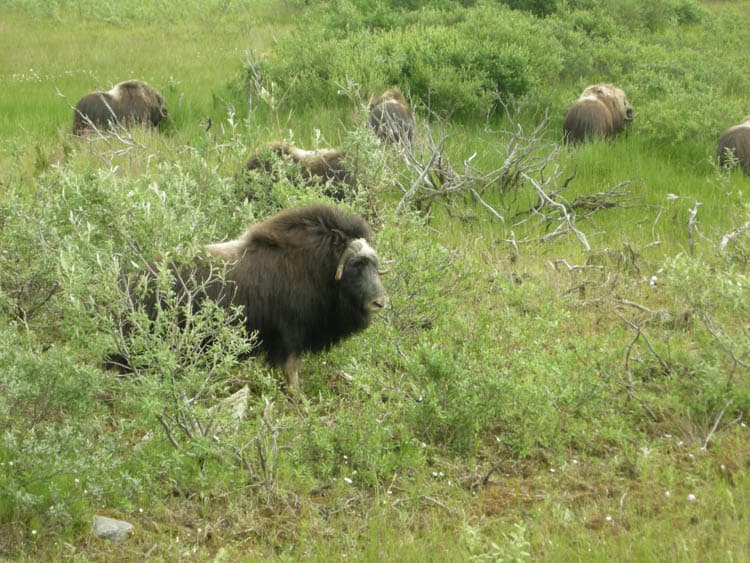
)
(391, 118)
(129, 103)
(305, 279)
(734, 146)
(601, 111)
(319, 164)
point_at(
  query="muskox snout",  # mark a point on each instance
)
(629, 114)
(379, 303)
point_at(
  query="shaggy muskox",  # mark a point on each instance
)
(129, 103)
(320, 164)
(601, 111)
(305, 279)
(734, 146)
(391, 119)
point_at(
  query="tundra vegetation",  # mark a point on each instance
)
(563, 373)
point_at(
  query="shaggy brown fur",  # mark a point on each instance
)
(305, 279)
(321, 164)
(601, 111)
(129, 103)
(391, 119)
(734, 145)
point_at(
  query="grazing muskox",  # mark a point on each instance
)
(129, 103)
(304, 279)
(601, 111)
(391, 119)
(321, 164)
(734, 146)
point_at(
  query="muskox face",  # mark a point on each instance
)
(358, 276)
(610, 92)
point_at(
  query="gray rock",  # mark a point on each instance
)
(111, 529)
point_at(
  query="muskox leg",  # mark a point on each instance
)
(291, 372)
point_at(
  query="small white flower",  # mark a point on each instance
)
(551, 469)
(33, 532)
(575, 462)
(77, 480)
(608, 518)
(140, 510)
(652, 280)
(667, 494)
(691, 497)
(434, 474)
(672, 197)
(390, 492)
(348, 481)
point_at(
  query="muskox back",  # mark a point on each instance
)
(304, 280)
(321, 165)
(391, 118)
(129, 103)
(601, 111)
(734, 146)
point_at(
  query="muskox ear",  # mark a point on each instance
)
(229, 252)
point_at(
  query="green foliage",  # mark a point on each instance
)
(461, 68)
(539, 8)
(522, 396)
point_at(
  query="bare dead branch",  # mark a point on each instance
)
(568, 216)
(715, 426)
(729, 237)
(692, 226)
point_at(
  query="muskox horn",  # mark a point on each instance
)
(355, 247)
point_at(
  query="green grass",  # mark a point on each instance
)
(505, 407)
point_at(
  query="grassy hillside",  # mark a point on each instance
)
(563, 373)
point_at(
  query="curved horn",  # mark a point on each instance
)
(353, 248)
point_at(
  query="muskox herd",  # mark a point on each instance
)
(601, 111)
(307, 278)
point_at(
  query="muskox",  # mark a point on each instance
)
(321, 164)
(391, 118)
(734, 146)
(601, 111)
(129, 103)
(304, 279)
